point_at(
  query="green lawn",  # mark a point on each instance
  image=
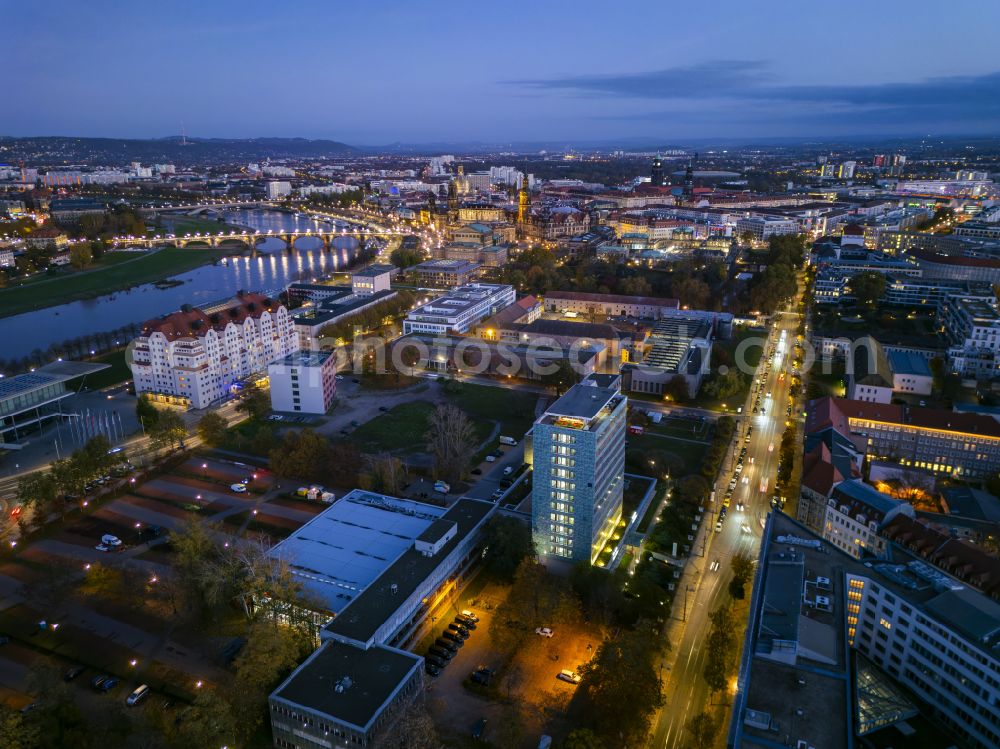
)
(400, 429)
(119, 371)
(120, 274)
(514, 410)
(181, 225)
(678, 457)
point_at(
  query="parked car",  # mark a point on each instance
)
(108, 684)
(98, 681)
(508, 470)
(544, 632)
(465, 622)
(477, 471)
(439, 652)
(482, 675)
(454, 638)
(449, 642)
(383, 409)
(469, 615)
(138, 695)
(238, 488)
(479, 728)
(72, 672)
(431, 669)
(568, 676)
(460, 629)
(439, 662)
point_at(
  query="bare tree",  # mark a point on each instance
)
(451, 439)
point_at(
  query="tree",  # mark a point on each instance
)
(867, 288)
(256, 403)
(304, 455)
(167, 430)
(270, 653)
(38, 490)
(146, 411)
(80, 255)
(562, 378)
(213, 428)
(621, 689)
(676, 389)
(507, 542)
(703, 728)
(18, 730)
(386, 473)
(404, 257)
(742, 566)
(210, 721)
(583, 738)
(721, 648)
(451, 440)
(413, 729)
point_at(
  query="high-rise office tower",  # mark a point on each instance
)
(578, 454)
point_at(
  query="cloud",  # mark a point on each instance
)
(695, 81)
(744, 91)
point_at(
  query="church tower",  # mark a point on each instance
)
(523, 204)
(656, 175)
(452, 202)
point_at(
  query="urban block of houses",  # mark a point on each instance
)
(366, 608)
(459, 310)
(194, 357)
(874, 375)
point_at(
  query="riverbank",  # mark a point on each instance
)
(107, 279)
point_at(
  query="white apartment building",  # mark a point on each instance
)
(459, 310)
(854, 514)
(763, 229)
(973, 329)
(303, 382)
(193, 357)
(278, 189)
(373, 279)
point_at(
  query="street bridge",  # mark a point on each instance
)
(217, 206)
(250, 239)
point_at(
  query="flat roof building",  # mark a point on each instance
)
(444, 274)
(29, 399)
(374, 567)
(838, 649)
(458, 311)
(303, 382)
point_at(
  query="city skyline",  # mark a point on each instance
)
(370, 77)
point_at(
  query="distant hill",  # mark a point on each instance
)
(170, 150)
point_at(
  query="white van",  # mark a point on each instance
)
(138, 695)
(508, 441)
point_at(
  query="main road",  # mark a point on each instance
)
(703, 587)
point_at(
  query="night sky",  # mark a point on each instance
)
(371, 73)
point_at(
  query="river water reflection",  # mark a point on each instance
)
(271, 270)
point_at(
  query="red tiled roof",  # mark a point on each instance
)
(959, 558)
(941, 258)
(818, 472)
(195, 323)
(828, 411)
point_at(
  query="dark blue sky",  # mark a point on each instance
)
(377, 72)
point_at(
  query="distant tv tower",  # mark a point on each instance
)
(183, 135)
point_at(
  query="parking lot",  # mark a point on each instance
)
(65, 602)
(528, 681)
